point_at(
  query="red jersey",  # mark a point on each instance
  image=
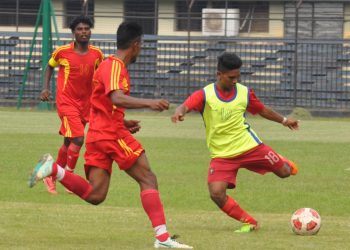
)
(74, 81)
(197, 99)
(107, 120)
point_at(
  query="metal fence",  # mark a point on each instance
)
(308, 68)
(312, 74)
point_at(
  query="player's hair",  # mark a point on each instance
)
(228, 61)
(80, 19)
(127, 33)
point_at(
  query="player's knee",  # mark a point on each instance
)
(148, 180)
(218, 197)
(97, 200)
(78, 140)
(284, 171)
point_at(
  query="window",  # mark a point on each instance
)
(143, 12)
(75, 8)
(316, 20)
(181, 9)
(254, 16)
(25, 15)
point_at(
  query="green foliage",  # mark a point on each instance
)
(33, 219)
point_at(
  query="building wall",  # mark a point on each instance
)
(347, 21)
(58, 7)
(275, 24)
(108, 16)
(106, 23)
(167, 22)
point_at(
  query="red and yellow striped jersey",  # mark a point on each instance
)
(107, 120)
(74, 81)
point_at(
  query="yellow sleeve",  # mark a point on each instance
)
(53, 63)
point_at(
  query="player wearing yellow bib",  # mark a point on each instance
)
(231, 141)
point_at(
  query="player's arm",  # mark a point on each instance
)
(132, 125)
(193, 102)
(116, 89)
(180, 112)
(255, 106)
(53, 62)
(121, 100)
(45, 93)
(272, 115)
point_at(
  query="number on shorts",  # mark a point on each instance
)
(272, 157)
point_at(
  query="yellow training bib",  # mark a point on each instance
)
(228, 133)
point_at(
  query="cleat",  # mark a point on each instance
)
(42, 169)
(170, 243)
(293, 167)
(247, 228)
(50, 183)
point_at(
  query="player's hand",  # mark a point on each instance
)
(159, 104)
(132, 125)
(44, 95)
(178, 116)
(291, 124)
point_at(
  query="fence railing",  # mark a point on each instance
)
(313, 74)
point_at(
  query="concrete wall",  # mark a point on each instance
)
(347, 21)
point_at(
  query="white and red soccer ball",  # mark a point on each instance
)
(305, 221)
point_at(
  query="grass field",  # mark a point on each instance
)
(33, 219)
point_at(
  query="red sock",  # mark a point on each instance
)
(76, 184)
(153, 206)
(62, 156)
(72, 155)
(232, 209)
(54, 170)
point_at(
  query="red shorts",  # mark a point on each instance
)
(101, 154)
(261, 159)
(72, 126)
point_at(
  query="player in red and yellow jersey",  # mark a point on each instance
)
(109, 138)
(231, 141)
(77, 63)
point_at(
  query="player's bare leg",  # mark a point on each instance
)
(99, 179)
(293, 167)
(93, 191)
(289, 168)
(229, 206)
(150, 198)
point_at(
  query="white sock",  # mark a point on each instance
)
(60, 173)
(159, 230)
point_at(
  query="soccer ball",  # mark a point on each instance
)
(305, 221)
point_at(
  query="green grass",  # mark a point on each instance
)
(33, 219)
